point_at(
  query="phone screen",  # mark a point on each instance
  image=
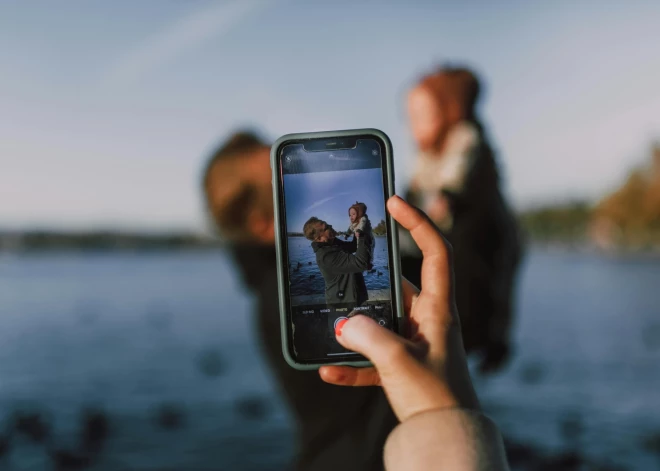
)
(336, 242)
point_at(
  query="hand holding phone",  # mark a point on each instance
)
(429, 371)
(322, 181)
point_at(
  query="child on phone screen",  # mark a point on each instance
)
(361, 227)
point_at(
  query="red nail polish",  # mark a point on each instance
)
(339, 326)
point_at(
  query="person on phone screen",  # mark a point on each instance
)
(456, 183)
(336, 428)
(341, 270)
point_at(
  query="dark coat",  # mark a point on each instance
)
(342, 271)
(338, 428)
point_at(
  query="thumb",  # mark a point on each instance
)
(386, 350)
(410, 387)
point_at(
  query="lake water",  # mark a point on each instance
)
(135, 333)
(306, 278)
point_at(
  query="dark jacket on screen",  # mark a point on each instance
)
(342, 271)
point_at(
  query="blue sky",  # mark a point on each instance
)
(328, 195)
(108, 109)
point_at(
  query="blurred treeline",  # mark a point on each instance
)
(101, 241)
(626, 219)
(381, 228)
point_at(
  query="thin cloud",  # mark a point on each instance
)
(325, 200)
(185, 34)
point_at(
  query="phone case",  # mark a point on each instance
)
(282, 264)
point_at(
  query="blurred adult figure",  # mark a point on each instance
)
(457, 183)
(337, 428)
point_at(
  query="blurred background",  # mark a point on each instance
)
(122, 320)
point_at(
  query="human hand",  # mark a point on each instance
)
(357, 234)
(429, 371)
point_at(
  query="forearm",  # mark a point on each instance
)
(360, 261)
(349, 246)
(446, 439)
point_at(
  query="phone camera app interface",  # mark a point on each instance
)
(337, 244)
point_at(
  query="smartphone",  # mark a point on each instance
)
(337, 247)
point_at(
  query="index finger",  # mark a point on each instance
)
(435, 249)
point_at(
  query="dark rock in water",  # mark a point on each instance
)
(5, 445)
(532, 373)
(519, 454)
(211, 363)
(652, 443)
(309, 263)
(571, 461)
(252, 407)
(170, 416)
(32, 425)
(65, 460)
(571, 428)
(95, 430)
(380, 273)
(526, 456)
(605, 467)
(311, 277)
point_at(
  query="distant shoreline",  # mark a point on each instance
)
(105, 241)
(110, 242)
(592, 249)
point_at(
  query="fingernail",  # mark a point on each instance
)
(339, 326)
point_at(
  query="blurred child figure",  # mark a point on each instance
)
(361, 227)
(336, 428)
(457, 183)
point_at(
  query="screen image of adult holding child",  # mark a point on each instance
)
(456, 182)
(342, 263)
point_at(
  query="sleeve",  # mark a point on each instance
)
(446, 439)
(348, 245)
(339, 262)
